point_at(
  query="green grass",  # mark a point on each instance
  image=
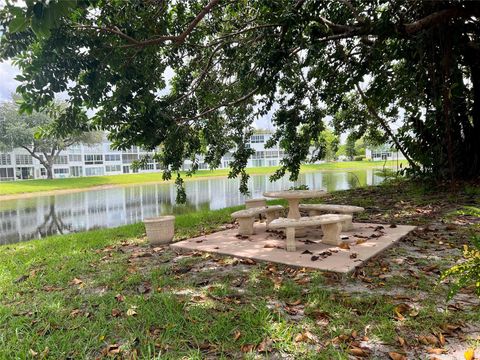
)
(192, 305)
(31, 186)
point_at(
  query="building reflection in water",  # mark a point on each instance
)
(34, 218)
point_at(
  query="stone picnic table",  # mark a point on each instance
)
(293, 197)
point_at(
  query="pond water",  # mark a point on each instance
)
(38, 217)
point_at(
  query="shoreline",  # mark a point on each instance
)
(27, 195)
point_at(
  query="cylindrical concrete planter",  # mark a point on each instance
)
(160, 230)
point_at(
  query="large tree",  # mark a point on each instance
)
(173, 74)
(33, 133)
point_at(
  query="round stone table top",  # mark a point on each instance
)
(295, 194)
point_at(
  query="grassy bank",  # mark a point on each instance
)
(30, 186)
(107, 293)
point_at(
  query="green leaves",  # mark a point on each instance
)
(40, 16)
(299, 63)
(19, 22)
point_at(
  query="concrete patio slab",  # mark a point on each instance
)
(364, 241)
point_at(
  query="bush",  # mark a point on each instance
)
(299, 187)
(359, 158)
(466, 273)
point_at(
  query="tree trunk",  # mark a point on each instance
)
(49, 171)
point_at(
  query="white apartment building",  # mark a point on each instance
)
(383, 153)
(101, 159)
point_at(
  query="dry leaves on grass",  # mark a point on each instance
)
(132, 311)
(116, 312)
(236, 335)
(76, 281)
(358, 351)
(397, 356)
(306, 336)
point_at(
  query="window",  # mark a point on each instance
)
(112, 168)
(256, 139)
(6, 174)
(76, 171)
(133, 149)
(381, 155)
(77, 149)
(129, 158)
(258, 155)
(75, 158)
(272, 163)
(60, 160)
(94, 171)
(257, 162)
(60, 171)
(93, 159)
(23, 159)
(112, 157)
(149, 166)
(271, 154)
(5, 159)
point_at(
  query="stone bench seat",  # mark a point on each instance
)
(246, 217)
(317, 209)
(331, 226)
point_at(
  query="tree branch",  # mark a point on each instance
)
(177, 39)
(437, 18)
(231, 103)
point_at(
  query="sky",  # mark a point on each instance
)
(8, 84)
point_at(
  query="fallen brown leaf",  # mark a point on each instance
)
(397, 356)
(116, 312)
(399, 310)
(295, 303)
(76, 281)
(75, 312)
(356, 351)
(437, 351)
(247, 348)
(120, 298)
(265, 345)
(401, 341)
(344, 245)
(306, 336)
(236, 335)
(441, 338)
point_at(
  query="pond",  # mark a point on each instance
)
(38, 217)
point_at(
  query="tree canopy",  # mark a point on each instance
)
(171, 75)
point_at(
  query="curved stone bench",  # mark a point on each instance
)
(317, 209)
(331, 226)
(246, 217)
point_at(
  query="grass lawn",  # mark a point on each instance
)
(30, 186)
(106, 293)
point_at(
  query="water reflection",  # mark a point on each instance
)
(34, 218)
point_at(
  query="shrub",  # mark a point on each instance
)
(359, 158)
(299, 187)
(466, 273)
